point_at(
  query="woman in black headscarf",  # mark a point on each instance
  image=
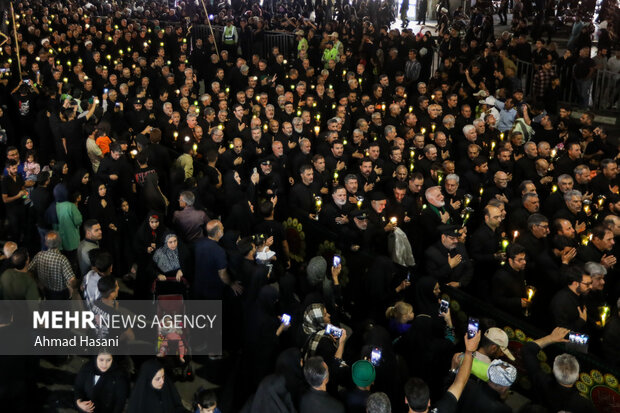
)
(263, 330)
(427, 345)
(101, 386)
(149, 237)
(235, 190)
(153, 393)
(79, 184)
(60, 173)
(290, 365)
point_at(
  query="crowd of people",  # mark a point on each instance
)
(138, 152)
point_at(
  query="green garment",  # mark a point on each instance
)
(17, 285)
(229, 36)
(303, 45)
(69, 221)
(329, 54)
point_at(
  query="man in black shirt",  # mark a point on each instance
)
(13, 195)
(417, 393)
(508, 289)
(567, 306)
(317, 399)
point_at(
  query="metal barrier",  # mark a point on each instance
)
(284, 41)
(525, 73)
(605, 92)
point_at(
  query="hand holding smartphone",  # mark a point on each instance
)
(285, 319)
(473, 325)
(336, 261)
(375, 356)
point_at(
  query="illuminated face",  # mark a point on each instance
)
(158, 380)
(104, 362)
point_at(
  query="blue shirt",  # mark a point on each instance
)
(506, 117)
(210, 259)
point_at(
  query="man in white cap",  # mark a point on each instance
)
(489, 397)
(493, 345)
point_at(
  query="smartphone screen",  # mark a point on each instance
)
(286, 319)
(472, 327)
(375, 356)
(443, 306)
(409, 276)
(333, 330)
(578, 338)
(105, 90)
(336, 261)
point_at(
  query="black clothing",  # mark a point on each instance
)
(563, 309)
(108, 391)
(553, 396)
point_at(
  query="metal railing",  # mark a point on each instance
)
(604, 92)
(284, 41)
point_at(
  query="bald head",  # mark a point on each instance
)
(215, 229)
(9, 248)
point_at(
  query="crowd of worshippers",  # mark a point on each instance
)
(135, 151)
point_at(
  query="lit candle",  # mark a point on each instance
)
(481, 191)
(604, 313)
(410, 109)
(317, 129)
(383, 107)
(433, 128)
(423, 130)
(501, 136)
(393, 220)
(515, 235)
(187, 139)
(530, 292)
(601, 200)
(195, 147)
(467, 198)
(318, 202)
(133, 152)
(553, 153)
(265, 126)
(492, 145)
(554, 188)
(360, 200)
(176, 135)
(505, 244)
(335, 175)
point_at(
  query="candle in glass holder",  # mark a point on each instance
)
(603, 312)
(467, 198)
(505, 244)
(317, 203)
(530, 292)
(360, 200)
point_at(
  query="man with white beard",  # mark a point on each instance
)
(434, 213)
(335, 213)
